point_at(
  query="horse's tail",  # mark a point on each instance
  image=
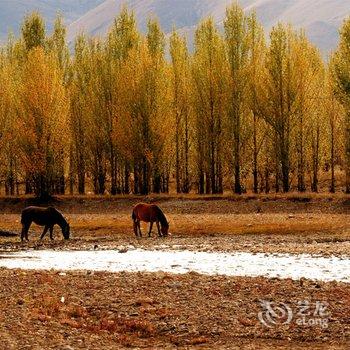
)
(133, 216)
(24, 215)
(22, 218)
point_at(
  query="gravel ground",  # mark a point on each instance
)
(79, 310)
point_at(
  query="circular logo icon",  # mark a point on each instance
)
(274, 313)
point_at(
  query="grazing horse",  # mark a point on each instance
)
(149, 213)
(47, 217)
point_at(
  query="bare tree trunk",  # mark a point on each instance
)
(347, 152)
(186, 183)
(219, 173)
(236, 154)
(255, 157)
(126, 179)
(71, 172)
(157, 181)
(285, 163)
(177, 145)
(81, 181)
(212, 167)
(201, 182)
(62, 184)
(101, 181)
(315, 163)
(28, 184)
(277, 169)
(301, 161)
(207, 183)
(99, 174)
(332, 187)
(136, 178)
(10, 179)
(145, 176)
(267, 179)
(81, 174)
(113, 165)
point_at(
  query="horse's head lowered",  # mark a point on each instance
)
(165, 229)
(66, 231)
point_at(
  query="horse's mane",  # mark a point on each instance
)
(162, 218)
(60, 218)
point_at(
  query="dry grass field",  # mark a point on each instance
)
(160, 310)
(310, 223)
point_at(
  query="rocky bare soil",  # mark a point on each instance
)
(50, 310)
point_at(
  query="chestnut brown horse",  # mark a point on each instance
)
(47, 217)
(149, 213)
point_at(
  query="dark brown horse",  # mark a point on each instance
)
(149, 213)
(48, 217)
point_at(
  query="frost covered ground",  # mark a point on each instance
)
(210, 263)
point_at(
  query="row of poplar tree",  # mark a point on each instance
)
(132, 113)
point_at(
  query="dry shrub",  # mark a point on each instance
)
(125, 340)
(174, 339)
(46, 279)
(165, 312)
(143, 328)
(76, 316)
(43, 318)
(76, 311)
(246, 322)
(71, 323)
(144, 301)
(198, 340)
(108, 325)
(52, 307)
(49, 306)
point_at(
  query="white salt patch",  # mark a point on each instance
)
(178, 262)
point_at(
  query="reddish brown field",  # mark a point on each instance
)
(144, 310)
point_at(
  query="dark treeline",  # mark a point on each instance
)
(135, 113)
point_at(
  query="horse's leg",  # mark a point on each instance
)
(159, 233)
(24, 232)
(150, 229)
(46, 228)
(51, 232)
(139, 227)
(136, 228)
